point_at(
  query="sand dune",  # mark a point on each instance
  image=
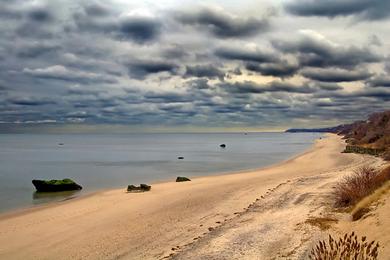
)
(260, 214)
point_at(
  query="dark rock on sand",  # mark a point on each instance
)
(55, 185)
(181, 179)
(140, 188)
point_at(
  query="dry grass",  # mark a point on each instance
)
(323, 223)
(348, 247)
(360, 184)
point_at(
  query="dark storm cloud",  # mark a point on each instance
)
(335, 75)
(365, 94)
(363, 9)
(243, 54)
(40, 14)
(29, 101)
(320, 53)
(379, 81)
(222, 24)
(273, 69)
(102, 19)
(33, 12)
(139, 69)
(139, 29)
(378, 94)
(204, 71)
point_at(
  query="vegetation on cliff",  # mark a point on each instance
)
(371, 136)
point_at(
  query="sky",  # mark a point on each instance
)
(182, 65)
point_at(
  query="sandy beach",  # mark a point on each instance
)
(259, 214)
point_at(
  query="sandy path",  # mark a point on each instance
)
(277, 226)
(113, 224)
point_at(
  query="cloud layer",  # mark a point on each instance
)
(253, 65)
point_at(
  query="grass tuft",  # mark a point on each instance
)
(348, 247)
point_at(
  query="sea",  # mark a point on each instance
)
(109, 161)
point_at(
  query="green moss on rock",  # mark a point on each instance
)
(55, 185)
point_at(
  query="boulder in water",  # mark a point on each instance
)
(180, 158)
(181, 179)
(55, 185)
(222, 145)
(140, 188)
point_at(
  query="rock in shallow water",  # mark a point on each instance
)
(55, 185)
(181, 179)
(140, 188)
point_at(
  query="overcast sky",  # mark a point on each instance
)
(174, 64)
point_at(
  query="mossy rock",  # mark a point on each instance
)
(140, 188)
(181, 179)
(55, 185)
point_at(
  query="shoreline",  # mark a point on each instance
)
(31, 208)
(168, 219)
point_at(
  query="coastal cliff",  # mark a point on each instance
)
(368, 135)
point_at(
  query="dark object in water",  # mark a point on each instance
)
(55, 185)
(181, 179)
(60, 143)
(222, 145)
(140, 188)
(180, 158)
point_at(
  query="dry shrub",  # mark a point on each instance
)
(361, 183)
(348, 247)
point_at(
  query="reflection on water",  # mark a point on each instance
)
(44, 197)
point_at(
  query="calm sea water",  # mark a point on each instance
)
(114, 161)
